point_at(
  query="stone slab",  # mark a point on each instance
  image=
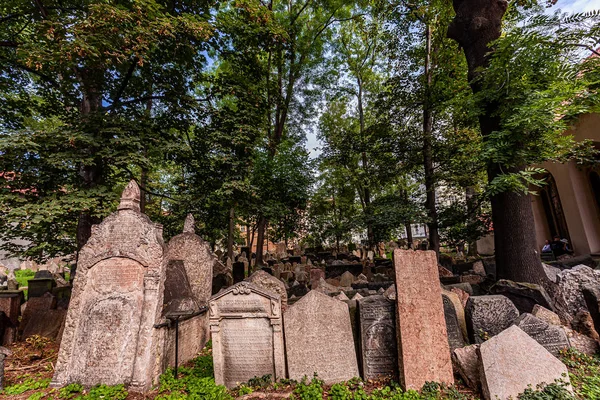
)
(378, 343)
(487, 316)
(512, 360)
(546, 315)
(466, 364)
(318, 337)
(552, 337)
(453, 326)
(268, 282)
(245, 323)
(423, 351)
(523, 295)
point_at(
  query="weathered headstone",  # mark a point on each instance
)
(318, 336)
(546, 315)
(591, 294)
(466, 363)
(378, 343)
(116, 301)
(270, 283)
(571, 282)
(10, 304)
(42, 282)
(453, 326)
(245, 323)
(423, 351)
(346, 279)
(488, 316)
(42, 318)
(552, 337)
(523, 295)
(512, 360)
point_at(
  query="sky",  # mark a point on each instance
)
(312, 143)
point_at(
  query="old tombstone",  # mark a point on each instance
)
(453, 326)
(571, 282)
(239, 272)
(378, 343)
(466, 363)
(546, 315)
(423, 351)
(523, 295)
(591, 295)
(4, 352)
(268, 282)
(512, 360)
(42, 318)
(552, 337)
(42, 282)
(346, 279)
(318, 336)
(487, 316)
(116, 301)
(245, 322)
(10, 304)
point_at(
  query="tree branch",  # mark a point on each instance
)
(44, 77)
(125, 81)
(157, 97)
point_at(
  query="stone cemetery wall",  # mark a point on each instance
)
(318, 337)
(247, 337)
(423, 351)
(116, 300)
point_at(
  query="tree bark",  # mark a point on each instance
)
(409, 237)
(472, 212)
(260, 240)
(230, 234)
(477, 23)
(434, 237)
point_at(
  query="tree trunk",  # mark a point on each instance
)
(477, 23)
(230, 234)
(472, 219)
(434, 237)
(260, 240)
(409, 237)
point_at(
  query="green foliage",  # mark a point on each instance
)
(102, 392)
(69, 391)
(584, 373)
(306, 390)
(27, 385)
(243, 389)
(553, 391)
(24, 275)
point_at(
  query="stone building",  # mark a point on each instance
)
(569, 205)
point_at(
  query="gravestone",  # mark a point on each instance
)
(453, 328)
(423, 351)
(523, 295)
(591, 294)
(318, 337)
(42, 282)
(270, 283)
(42, 318)
(10, 304)
(546, 315)
(571, 282)
(247, 339)
(116, 301)
(488, 316)
(346, 279)
(512, 360)
(378, 343)
(239, 272)
(552, 337)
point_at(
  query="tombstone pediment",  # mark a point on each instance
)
(245, 300)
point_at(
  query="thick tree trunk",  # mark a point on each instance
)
(477, 23)
(472, 211)
(409, 237)
(434, 237)
(260, 240)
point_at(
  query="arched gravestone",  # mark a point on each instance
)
(117, 298)
(318, 339)
(247, 338)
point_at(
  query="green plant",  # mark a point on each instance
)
(104, 392)
(340, 391)
(312, 390)
(262, 382)
(28, 384)
(70, 391)
(36, 396)
(553, 391)
(584, 373)
(243, 389)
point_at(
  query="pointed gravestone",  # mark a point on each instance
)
(245, 323)
(512, 360)
(189, 270)
(116, 300)
(268, 282)
(318, 336)
(423, 351)
(378, 345)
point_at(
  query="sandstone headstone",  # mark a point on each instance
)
(378, 343)
(478, 268)
(116, 301)
(390, 293)
(423, 352)
(10, 304)
(552, 337)
(523, 295)
(582, 343)
(583, 323)
(571, 282)
(270, 283)
(357, 296)
(342, 296)
(512, 360)
(42, 318)
(546, 315)
(346, 279)
(453, 326)
(487, 316)
(318, 336)
(316, 274)
(245, 323)
(466, 363)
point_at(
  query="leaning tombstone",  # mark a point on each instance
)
(109, 335)
(453, 326)
(487, 316)
(318, 337)
(377, 336)
(247, 339)
(552, 337)
(423, 351)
